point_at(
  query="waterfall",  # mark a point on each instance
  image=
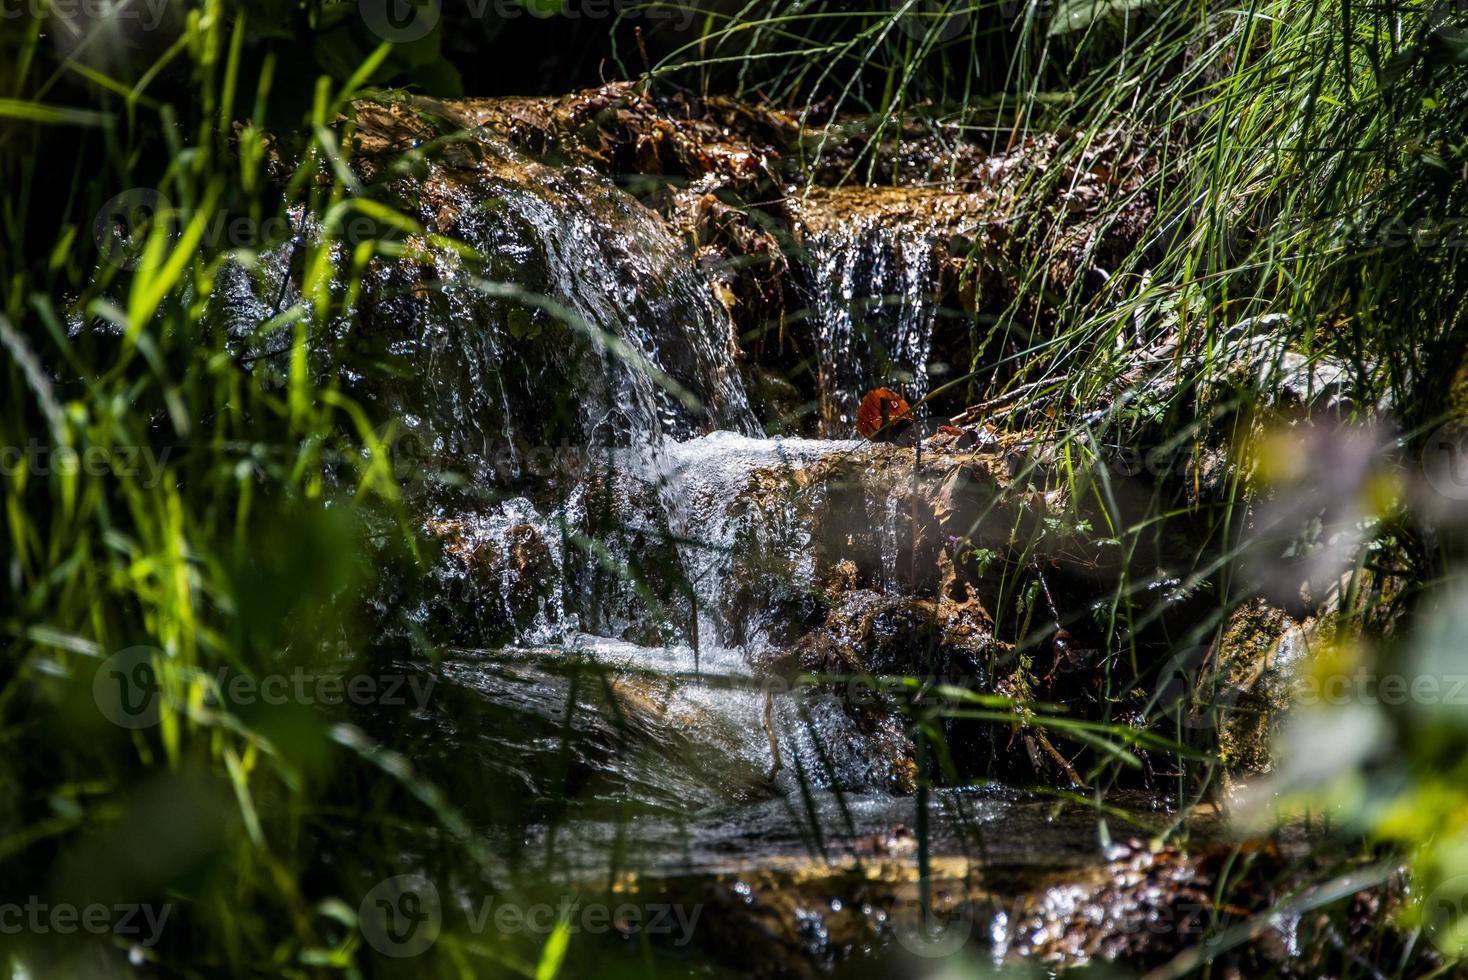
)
(709, 478)
(871, 294)
(579, 442)
(543, 310)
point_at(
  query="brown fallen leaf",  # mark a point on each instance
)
(879, 410)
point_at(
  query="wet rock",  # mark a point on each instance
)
(617, 129)
(795, 911)
(603, 561)
(492, 580)
(718, 174)
(1142, 907)
(744, 258)
(883, 562)
(802, 921)
(523, 278)
(883, 517)
(531, 570)
(1300, 385)
(1163, 907)
(866, 632)
(1261, 652)
(849, 740)
(868, 636)
(686, 735)
(539, 732)
(1283, 382)
(626, 579)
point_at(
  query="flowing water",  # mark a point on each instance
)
(872, 285)
(578, 435)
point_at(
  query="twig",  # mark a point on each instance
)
(974, 413)
(1060, 760)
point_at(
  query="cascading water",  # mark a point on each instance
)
(871, 291)
(706, 477)
(542, 309)
(689, 495)
(601, 529)
(626, 569)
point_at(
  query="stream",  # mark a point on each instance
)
(635, 582)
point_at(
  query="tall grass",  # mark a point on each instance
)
(195, 512)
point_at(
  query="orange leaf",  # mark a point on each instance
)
(879, 409)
